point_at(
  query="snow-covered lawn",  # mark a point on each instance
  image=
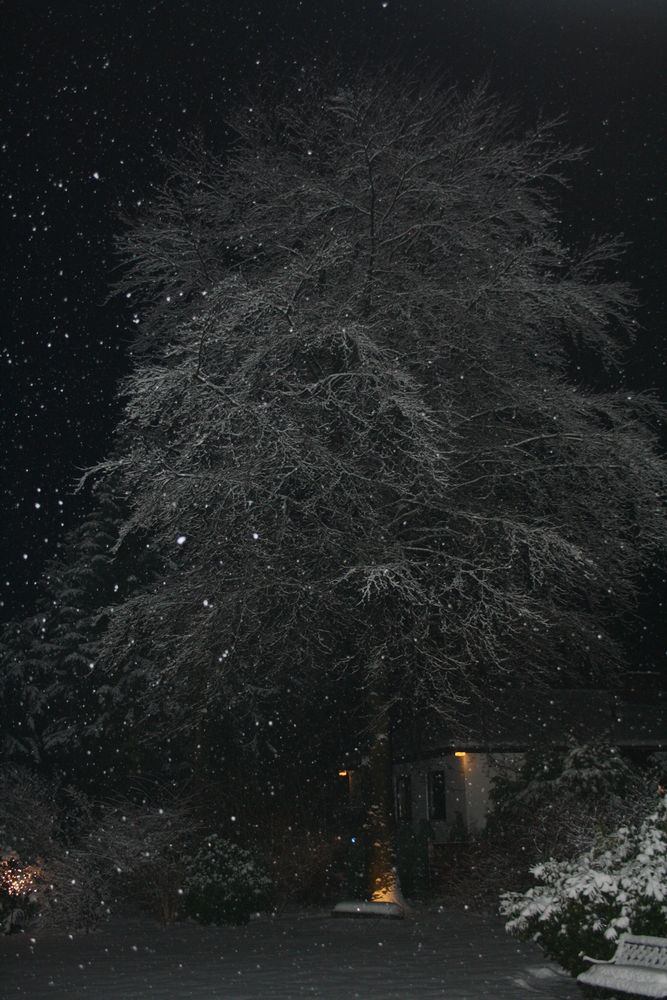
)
(450, 954)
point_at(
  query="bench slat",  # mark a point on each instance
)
(635, 949)
(638, 966)
(627, 979)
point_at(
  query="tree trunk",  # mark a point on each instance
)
(383, 881)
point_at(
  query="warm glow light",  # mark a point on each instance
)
(459, 753)
(342, 774)
(385, 895)
(14, 880)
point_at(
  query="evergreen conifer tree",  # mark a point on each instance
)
(56, 699)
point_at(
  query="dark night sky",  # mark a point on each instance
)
(91, 92)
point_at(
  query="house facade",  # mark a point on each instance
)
(444, 769)
(450, 792)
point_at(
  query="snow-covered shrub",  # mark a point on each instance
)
(47, 825)
(39, 819)
(580, 906)
(142, 848)
(225, 883)
(553, 806)
(90, 856)
(559, 800)
(75, 891)
(132, 852)
(28, 813)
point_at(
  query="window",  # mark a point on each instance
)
(437, 795)
(403, 798)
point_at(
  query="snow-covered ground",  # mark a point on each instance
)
(450, 955)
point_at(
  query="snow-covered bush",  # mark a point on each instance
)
(75, 891)
(580, 906)
(551, 807)
(142, 846)
(28, 813)
(225, 884)
(560, 800)
(86, 857)
(133, 852)
(39, 821)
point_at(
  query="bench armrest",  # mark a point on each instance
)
(599, 961)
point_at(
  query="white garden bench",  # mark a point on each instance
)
(639, 966)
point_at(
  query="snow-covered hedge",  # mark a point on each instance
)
(225, 884)
(580, 906)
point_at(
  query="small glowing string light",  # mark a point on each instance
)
(14, 880)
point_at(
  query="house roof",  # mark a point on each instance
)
(520, 720)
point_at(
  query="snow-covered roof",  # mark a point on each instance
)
(518, 720)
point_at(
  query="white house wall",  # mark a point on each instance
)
(468, 782)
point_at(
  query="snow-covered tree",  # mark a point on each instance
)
(559, 800)
(356, 430)
(54, 697)
(580, 906)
